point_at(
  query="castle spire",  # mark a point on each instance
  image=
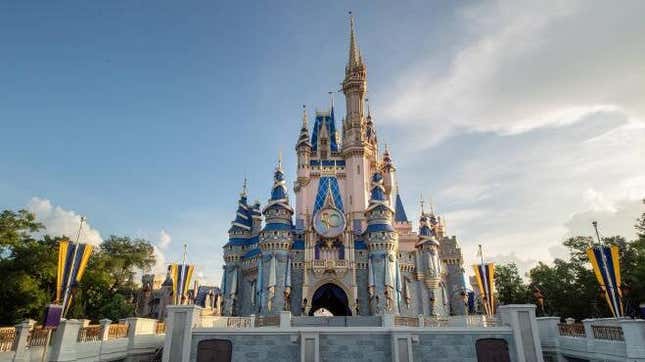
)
(243, 193)
(303, 137)
(355, 89)
(354, 51)
(279, 166)
(305, 121)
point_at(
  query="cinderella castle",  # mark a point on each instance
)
(347, 246)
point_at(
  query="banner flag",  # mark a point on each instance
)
(181, 276)
(606, 267)
(485, 276)
(72, 262)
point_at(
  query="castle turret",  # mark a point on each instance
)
(256, 218)
(240, 237)
(303, 150)
(166, 297)
(429, 266)
(383, 244)
(275, 242)
(387, 165)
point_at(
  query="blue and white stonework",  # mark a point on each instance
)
(347, 245)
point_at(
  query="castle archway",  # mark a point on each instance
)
(331, 297)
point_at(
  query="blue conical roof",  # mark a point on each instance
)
(399, 213)
(242, 221)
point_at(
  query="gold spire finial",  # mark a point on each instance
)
(431, 207)
(243, 193)
(421, 203)
(304, 116)
(279, 160)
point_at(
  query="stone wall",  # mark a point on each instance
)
(452, 347)
(354, 344)
(359, 347)
(255, 347)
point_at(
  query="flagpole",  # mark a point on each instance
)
(486, 286)
(71, 267)
(610, 284)
(181, 276)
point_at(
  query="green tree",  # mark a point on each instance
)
(510, 286)
(28, 272)
(108, 286)
(27, 267)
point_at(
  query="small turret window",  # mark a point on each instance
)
(358, 169)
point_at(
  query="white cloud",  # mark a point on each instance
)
(523, 264)
(526, 65)
(59, 222)
(617, 219)
(160, 266)
(164, 239)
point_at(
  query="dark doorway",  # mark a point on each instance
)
(331, 297)
(214, 350)
(492, 350)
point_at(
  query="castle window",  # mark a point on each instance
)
(358, 169)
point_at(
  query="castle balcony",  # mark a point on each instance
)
(338, 266)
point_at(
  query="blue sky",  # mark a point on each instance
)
(522, 122)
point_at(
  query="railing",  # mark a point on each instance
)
(267, 321)
(610, 333)
(37, 337)
(239, 322)
(117, 331)
(406, 321)
(90, 333)
(160, 327)
(480, 321)
(435, 322)
(7, 338)
(572, 330)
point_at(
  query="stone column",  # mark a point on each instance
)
(521, 318)
(549, 331)
(104, 334)
(634, 333)
(589, 333)
(137, 345)
(65, 339)
(388, 320)
(285, 319)
(179, 329)
(105, 329)
(20, 344)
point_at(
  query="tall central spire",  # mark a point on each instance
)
(354, 88)
(354, 51)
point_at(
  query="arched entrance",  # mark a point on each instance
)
(331, 297)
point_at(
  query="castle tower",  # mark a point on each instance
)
(239, 237)
(303, 150)
(275, 242)
(387, 166)
(166, 297)
(359, 154)
(384, 283)
(429, 267)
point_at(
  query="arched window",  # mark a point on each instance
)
(358, 169)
